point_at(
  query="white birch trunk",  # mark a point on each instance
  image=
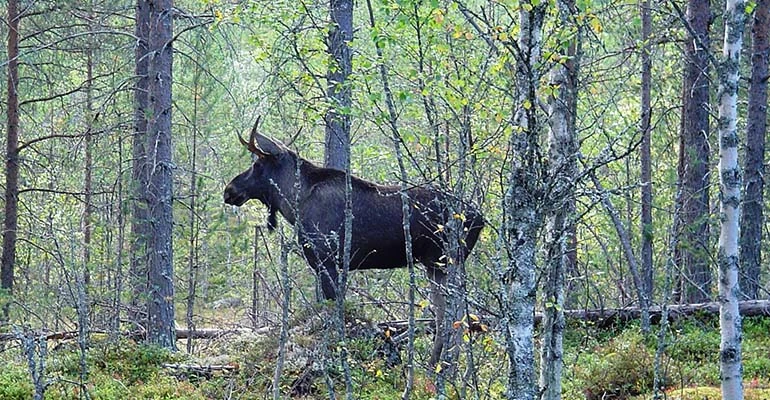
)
(562, 155)
(730, 198)
(523, 217)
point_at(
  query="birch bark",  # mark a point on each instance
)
(730, 198)
(522, 215)
(562, 153)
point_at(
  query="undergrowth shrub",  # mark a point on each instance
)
(621, 368)
(131, 362)
(15, 383)
(691, 343)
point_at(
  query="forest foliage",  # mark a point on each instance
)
(457, 100)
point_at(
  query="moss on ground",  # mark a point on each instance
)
(614, 363)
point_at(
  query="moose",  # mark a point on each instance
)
(314, 198)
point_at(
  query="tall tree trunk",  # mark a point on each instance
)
(523, 216)
(692, 253)
(752, 216)
(87, 179)
(192, 256)
(437, 296)
(160, 310)
(338, 90)
(562, 155)
(646, 167)
(117, 290)
(83, 279)
(137, 269)
(12, 159)
(337, 142)
(628, 251)
(729, 206)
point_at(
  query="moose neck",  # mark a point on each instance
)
(283, 195)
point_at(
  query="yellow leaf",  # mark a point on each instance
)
(527, 104)
(596, 25)
(438, 368)
(457, 324)
(387, 332)
(468, 35)
(503, 36)
(473, 317)
(438, 17)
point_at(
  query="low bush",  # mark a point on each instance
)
(621, 368)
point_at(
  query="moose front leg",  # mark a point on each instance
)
(325, 271)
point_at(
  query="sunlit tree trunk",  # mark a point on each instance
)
(160, 310)
(523, 216)
(752, 216)
(692, 253)
(645, 157)
(10, 223)
(729, 206)
(338, 88)
(562, 155)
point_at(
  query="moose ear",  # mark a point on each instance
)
(270, 146)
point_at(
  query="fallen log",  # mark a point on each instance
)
(204, 333)
(202, 369)
(208, 333)
(608, 316)
(602, 317)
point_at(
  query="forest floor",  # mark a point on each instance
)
(612, 363)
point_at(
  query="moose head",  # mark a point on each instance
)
(271, 161)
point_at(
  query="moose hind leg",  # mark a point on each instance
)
(328, 277)
(437, 278)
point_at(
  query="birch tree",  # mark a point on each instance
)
(523, 218)
(562, 154)
(730, 198)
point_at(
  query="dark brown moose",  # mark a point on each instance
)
(314, 197)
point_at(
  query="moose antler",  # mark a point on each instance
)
(251, 143)
(293, 138)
